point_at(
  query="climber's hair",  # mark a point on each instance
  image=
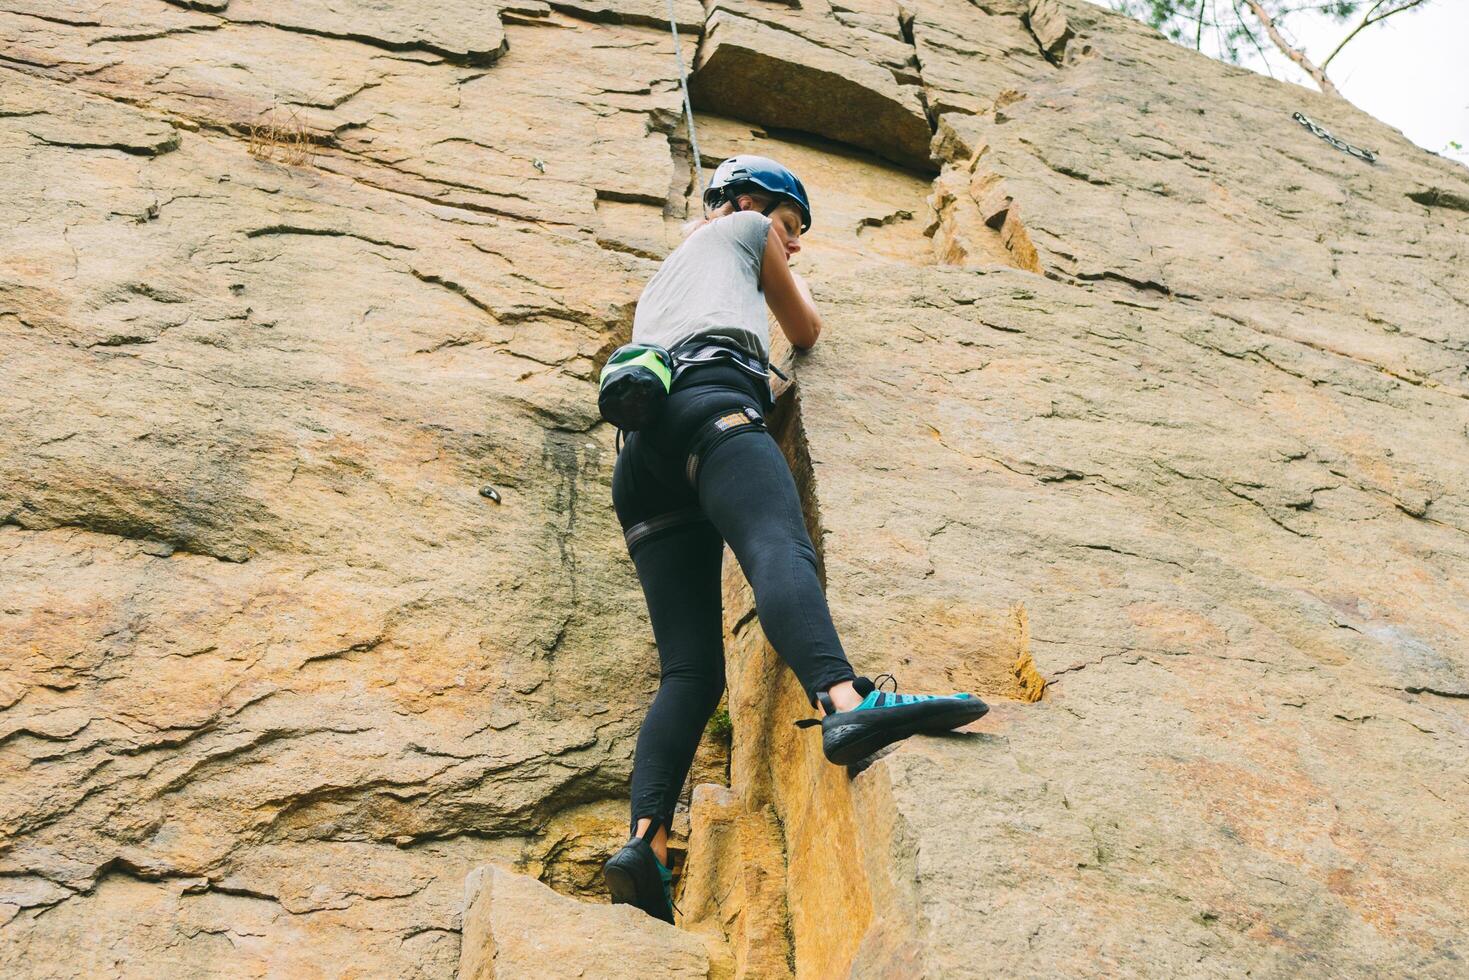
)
(762, 201)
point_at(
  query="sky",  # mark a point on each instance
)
(1411, 70)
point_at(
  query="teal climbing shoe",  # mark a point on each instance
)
(636, 877)
(885, 717)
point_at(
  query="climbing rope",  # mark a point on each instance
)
(688, 107)
(1310, 124)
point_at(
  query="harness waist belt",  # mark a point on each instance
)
(705, 353)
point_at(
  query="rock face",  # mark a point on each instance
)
(1141, 411)
(516, 927)
(785, 73)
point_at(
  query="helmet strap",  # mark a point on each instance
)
(772, 206)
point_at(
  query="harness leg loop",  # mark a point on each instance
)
(714, 432)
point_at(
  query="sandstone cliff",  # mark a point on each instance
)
(311, 598)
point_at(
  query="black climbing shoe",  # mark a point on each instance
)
(885, 717)
(636, 877)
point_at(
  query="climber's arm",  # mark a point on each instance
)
(787, 295)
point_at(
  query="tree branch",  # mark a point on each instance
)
(1251, 35)
(1294, 54)
(1368, 21)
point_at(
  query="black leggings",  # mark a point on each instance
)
(745, 496)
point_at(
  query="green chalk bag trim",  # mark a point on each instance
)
(655, 359)
(634, 384)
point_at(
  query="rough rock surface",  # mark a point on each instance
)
(824, 79)
(1149, 399)
(516, 928)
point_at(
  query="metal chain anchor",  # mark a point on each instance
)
(1356, 151)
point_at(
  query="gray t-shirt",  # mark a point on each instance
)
(710, 287)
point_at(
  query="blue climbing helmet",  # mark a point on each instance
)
(746, 172)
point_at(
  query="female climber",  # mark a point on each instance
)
(706, 472)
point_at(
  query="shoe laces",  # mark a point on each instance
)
(877, 685)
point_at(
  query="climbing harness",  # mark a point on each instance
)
(701, 351)
(1356, 151)
(639, 533)
(714, 432)
(637, 379)
(688, 107)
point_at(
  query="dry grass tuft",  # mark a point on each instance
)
(280, 137)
